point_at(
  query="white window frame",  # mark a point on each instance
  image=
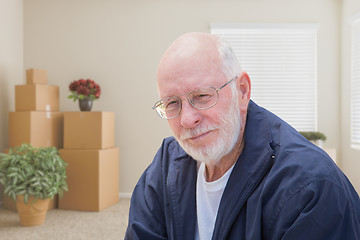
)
(281, 60)
(355, 81)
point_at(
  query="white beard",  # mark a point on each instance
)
(229, 131)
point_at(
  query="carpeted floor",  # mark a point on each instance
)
(108, 224)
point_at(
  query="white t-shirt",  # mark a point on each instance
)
(208, 196)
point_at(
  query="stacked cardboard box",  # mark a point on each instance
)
(93, 161)
(36, 119)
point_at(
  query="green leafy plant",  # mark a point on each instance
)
(313, 136)
(39, 172)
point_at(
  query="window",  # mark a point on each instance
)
(281, 62)
(355, 82)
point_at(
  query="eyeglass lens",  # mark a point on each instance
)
(201, 99)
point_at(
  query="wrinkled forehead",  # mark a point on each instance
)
(188, 76)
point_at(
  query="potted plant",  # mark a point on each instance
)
(86, 91)
(31, 177)
(315, 137)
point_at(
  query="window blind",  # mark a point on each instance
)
(355, 83)
(281, 62)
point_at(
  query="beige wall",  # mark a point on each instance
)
(11, 61)
(350, 156)
(119, 43)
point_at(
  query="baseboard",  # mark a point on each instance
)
(124, 195)
(121, 195)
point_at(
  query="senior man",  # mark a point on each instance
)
(233, 169)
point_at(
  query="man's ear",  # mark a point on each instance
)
(244, 90)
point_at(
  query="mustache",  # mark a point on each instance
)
(196, 131)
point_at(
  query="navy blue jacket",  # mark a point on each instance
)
(281, 187)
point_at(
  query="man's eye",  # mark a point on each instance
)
(202, 97)
(172, 104)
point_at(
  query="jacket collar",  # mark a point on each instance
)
(252, 165)
(181, 189)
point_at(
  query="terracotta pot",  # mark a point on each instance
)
(32, 214)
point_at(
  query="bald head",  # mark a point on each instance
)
(192, 48)
(190, 44)
(197, 52)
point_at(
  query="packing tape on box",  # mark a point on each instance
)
(48, 107)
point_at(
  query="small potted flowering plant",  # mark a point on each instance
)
(86, 91)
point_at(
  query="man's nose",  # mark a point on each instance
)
(190, 116)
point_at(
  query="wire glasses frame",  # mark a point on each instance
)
(203, 98)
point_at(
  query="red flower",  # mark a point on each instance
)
(82, 89)
(82, 82)
(97, 91)
(74, 85)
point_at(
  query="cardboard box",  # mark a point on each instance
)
(92, 178)
(89, 130)
(36, 97)
(40, 129)
(9, 204)
(36, 76)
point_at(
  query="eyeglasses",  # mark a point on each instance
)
(203, 98)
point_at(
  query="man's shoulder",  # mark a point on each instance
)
(307, 161)
(292, 152)
(307, 169)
